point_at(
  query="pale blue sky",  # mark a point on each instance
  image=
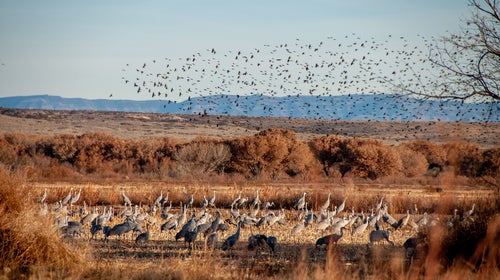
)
(79, 48)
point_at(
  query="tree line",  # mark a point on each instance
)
(273, 154)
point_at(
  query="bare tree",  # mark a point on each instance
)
(463, 66)
(202, 157)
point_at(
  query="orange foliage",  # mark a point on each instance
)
(273, 153)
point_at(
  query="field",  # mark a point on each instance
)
(451, 247)
(187, 127)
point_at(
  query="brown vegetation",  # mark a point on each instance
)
(468, 248)
(27, 239)
(275, 154)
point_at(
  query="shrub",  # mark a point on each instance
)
(466, 157)
(365, 158)
(413, 163)
(435, 154)
(491, 163)
(202, 157)
(273, 152)
(27, 238)
(328, 151)
(371, 159)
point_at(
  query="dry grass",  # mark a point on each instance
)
(29, 244)
(297, 257)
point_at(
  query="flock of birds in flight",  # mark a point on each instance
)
(192, 221)
(335, 66)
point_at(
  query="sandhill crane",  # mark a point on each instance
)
(211, 201)
(339, 225)
(235, 201)
(158, 200)
(386, 217)
(231, 240)
(330, 239)
(422, 222)
(379, 204)
(361, 228)
(215, 224)
(242, 201)
(165, 212)
(276, 218)
(415, 209)
(255, 211)
(90, 217)
(189, 201)
(189, 226)
(121, 229)
(323, 224)
(404, 220)
(212, 240)
(202, 228)
(100, 220)
(374, 219)
(190, 237)
(72, 228)
(255, 201)
(126, 200)
(67, 198)
(204, 202)
(309, 218)
(143, 237)
(169, 225)
(341, 206)
(326, 204)
(83, 210)
(267, 204)
(298, 228)
(183, 216)
(164, 199)
(74, 198)
(300, 202)
(42, 198)
(379, 235)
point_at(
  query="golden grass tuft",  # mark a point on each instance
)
(27, 239)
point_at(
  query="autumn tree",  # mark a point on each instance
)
(273, 152)
(365, 158)
(369, 158)
(328, 150)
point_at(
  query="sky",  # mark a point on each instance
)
(80, 48)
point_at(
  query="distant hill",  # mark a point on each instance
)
(345, 107)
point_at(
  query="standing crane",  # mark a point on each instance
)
(126, 200)
(300, 203)
(232, 240)
(211, 201)
(255, 201)
(326, 204)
